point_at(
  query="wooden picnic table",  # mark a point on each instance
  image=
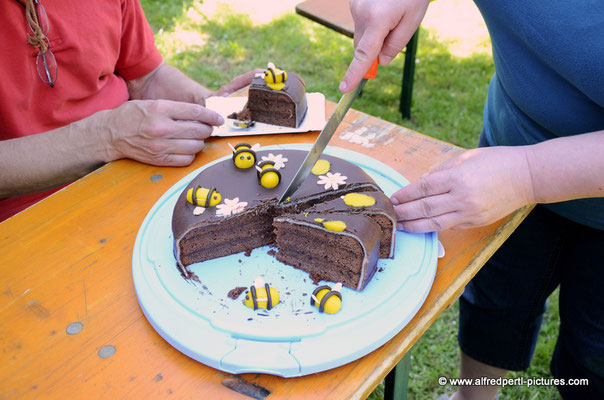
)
(70, 322)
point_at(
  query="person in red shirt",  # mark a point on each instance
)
(83, 84)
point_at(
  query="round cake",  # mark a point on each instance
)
(231, 207)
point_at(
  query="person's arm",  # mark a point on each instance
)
(381, 28)
(483, 185)
(167, 132)
(161, 132)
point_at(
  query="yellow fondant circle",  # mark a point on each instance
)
(358, 200)
(336, 226)
(321, 167)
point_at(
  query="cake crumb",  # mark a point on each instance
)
(236, 292)
(248, 252)
(271, 252)
(381, 269)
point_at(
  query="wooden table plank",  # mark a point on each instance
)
(68, 259)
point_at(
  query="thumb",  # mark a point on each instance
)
(365, 53)
(237, 83)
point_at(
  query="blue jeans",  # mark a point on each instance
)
(502, 308)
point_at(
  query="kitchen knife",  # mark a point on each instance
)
(330, 127)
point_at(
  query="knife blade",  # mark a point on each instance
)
(328, 130)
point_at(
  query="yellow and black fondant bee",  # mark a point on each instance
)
(268, 176)
(275, 77)
(244, 155)
(204, 197)
(329, 300)
(261, 295)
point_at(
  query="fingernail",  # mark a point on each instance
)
(220, 120)
(399, 227)
(343, 86)
(394, 201)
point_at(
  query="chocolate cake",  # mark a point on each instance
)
(240, 212)
(275, 97)
(337, 247)
(375, 205)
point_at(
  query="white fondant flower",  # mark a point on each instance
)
(230, 207)
(278, 159)
(333, 181)
(198, 210)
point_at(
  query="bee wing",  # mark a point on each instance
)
(256, 146)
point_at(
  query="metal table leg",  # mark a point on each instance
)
(408, 74)
(397, 380)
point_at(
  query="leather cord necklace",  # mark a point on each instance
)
(38, 39)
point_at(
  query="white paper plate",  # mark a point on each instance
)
(313, 121)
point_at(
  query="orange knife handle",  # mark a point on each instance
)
(372, 73)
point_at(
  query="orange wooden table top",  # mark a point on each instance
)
(70, 322)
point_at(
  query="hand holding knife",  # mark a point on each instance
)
(330, 127)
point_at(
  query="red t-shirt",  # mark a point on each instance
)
(98, 46)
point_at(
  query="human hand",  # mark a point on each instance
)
(237, 83)
(381, 27)
(476, 188)
(169, 83)
(157, 132)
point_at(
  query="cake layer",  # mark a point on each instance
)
(335, 246)
(318, 269)
(224, 249)
(245, 226)
(340, 249)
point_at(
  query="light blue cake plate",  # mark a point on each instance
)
(293, 338)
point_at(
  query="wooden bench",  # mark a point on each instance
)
(335, 14)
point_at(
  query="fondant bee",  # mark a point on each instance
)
(244, 155)
(203, 197)
(275, 77)
(328, 299)
(268, 176)
(261, 295)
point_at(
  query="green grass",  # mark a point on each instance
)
(448, 97)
